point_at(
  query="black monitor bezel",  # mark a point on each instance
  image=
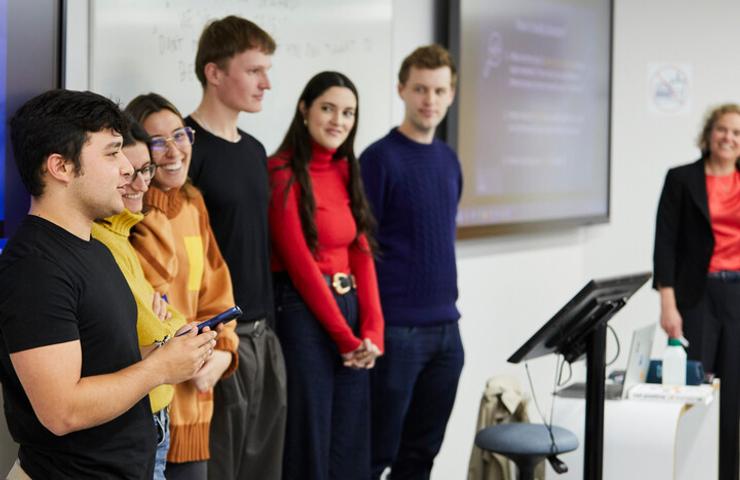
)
(567, 332)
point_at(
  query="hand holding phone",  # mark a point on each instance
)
(225, 316)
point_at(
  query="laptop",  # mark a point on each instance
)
(638, 362)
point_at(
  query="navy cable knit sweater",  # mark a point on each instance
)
(414, 190)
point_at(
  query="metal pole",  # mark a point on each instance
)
(595, 373)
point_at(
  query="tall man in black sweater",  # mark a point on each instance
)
(230, 168)
(74, 384)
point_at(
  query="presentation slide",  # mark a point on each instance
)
(533, 134)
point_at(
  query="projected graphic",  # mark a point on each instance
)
(534, 117)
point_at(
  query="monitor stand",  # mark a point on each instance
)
(580, 328)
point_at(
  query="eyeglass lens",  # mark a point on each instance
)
(146, 173)
(181, 137)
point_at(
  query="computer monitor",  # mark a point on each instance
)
(567, 332)
(638, 361)
(580, 328)
(30, 63)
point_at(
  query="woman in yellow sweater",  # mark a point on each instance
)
(181, 259)
(156, 320)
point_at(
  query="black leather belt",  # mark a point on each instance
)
(341, 283)
(729, 276)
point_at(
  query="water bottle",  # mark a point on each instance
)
(674, 363)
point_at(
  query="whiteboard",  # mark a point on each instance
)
(141, 46)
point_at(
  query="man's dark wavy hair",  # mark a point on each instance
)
(59, 121)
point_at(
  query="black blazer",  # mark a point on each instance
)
(684, 241)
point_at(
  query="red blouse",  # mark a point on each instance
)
(336, 252)
(723, 193)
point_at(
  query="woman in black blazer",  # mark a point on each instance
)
(697, 266)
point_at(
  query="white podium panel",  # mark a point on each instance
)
(646, 439)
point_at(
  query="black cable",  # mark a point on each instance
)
(619, 348)
(559, 362)
(547, 425)
(562, 382)
(534, 396)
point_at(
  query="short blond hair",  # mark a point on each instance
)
(711, 118)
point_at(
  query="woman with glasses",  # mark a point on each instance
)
(329, 319)
(181, 259)
(156, 321)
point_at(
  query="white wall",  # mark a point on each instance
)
(510, 285)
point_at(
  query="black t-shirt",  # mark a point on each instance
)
(55, 288)
(233, 179)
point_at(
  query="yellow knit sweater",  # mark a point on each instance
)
(113, 232)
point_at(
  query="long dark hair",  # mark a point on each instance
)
(296, 146)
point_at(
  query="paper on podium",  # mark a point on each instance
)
(677, 393)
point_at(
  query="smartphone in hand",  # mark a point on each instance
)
(225, 316)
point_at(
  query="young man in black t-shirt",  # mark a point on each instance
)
(74, 384)
(230, 168)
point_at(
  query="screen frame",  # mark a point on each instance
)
(567, 331)
(453, 13)
(35, 31)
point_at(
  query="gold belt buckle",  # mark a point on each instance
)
(341, 287)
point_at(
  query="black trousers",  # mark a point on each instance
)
(712, 328)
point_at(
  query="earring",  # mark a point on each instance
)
(305, 122)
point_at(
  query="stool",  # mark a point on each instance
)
(526, 444)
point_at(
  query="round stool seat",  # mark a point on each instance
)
(525, 439)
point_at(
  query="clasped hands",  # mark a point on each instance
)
(363, 357)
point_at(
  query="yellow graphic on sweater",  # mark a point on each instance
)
(194, 249)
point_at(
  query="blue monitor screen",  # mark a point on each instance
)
(28, 30)
(3, 70)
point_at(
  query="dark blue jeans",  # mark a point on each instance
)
(413, 388)
(328, 428)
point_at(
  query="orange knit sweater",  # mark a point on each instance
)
(180, 258)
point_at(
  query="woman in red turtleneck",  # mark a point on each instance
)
(329, 319)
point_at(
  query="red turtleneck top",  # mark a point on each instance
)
(337, 250)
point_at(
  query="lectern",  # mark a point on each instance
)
(580, 328)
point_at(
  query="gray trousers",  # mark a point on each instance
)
(248, 426)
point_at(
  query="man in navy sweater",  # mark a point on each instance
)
(414, 182)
